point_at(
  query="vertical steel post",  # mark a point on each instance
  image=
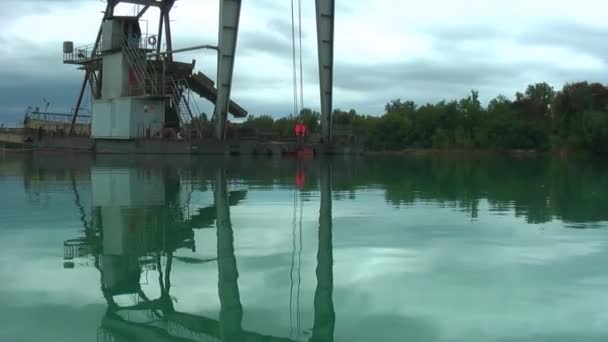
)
(168, 36)
(159, 37)
(230, 13)
(325, 39)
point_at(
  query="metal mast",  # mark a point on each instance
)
(230, 13)
(325, 40)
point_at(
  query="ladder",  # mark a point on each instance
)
(93, 83)
(144, 72)
(181, 98)
(192, 103)
(180, 103)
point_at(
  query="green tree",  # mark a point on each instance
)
(311, 119)
(261, 123)
(595, 131)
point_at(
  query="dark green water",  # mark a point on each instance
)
(117, 249)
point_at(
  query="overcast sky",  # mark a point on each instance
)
(421, 50)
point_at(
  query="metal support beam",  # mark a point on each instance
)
(193, 48)
(168, 36)
(143, 11)
(230, 13)
(79, 102)
(231, 310)
(107, 14)
(110, 10)
(159, 37)
(325, 39)
(324, 313)
(152, 3)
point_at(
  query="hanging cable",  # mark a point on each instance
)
(301, 63)
(295, 198)
(294, 66)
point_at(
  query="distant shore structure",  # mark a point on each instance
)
(145, 101)
(139, 88)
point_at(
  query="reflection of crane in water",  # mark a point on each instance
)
(325, 315)
(120, 262)
(165, 218)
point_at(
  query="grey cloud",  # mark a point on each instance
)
(426, 81)
(365, 85)
(346, 7)
(18, 92)
(253, 42)
(364, 77)
(463, 33)
(281, 27)
(569, 35)
(465, 67)
(16, 8)
(276, 40)
(260, 107)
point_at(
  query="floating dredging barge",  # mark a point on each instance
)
(144, 101)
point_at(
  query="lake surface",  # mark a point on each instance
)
(380, 249)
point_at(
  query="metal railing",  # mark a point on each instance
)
(193, 107)
(59, 118)
(179, 102)
(84, 54)
(192, 99)
(146, 74)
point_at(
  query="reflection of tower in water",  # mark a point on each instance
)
(325, 315)
(138, 224)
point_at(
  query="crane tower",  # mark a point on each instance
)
(139, 89)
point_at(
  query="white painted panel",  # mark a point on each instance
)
(100, 123)
(127, 187)
(128, 118)
(115, 228)
(115, 76)
(111, 119)
(112, 35)
(121, 119)
(147, 115)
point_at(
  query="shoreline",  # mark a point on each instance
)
(477, 153)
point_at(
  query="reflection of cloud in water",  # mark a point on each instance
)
(365, 264)
(493, 277)
(50, 322)
(34, 275)
(425, 270)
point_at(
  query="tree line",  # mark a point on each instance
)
(540, 118)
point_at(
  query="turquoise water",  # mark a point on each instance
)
(381, 249)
